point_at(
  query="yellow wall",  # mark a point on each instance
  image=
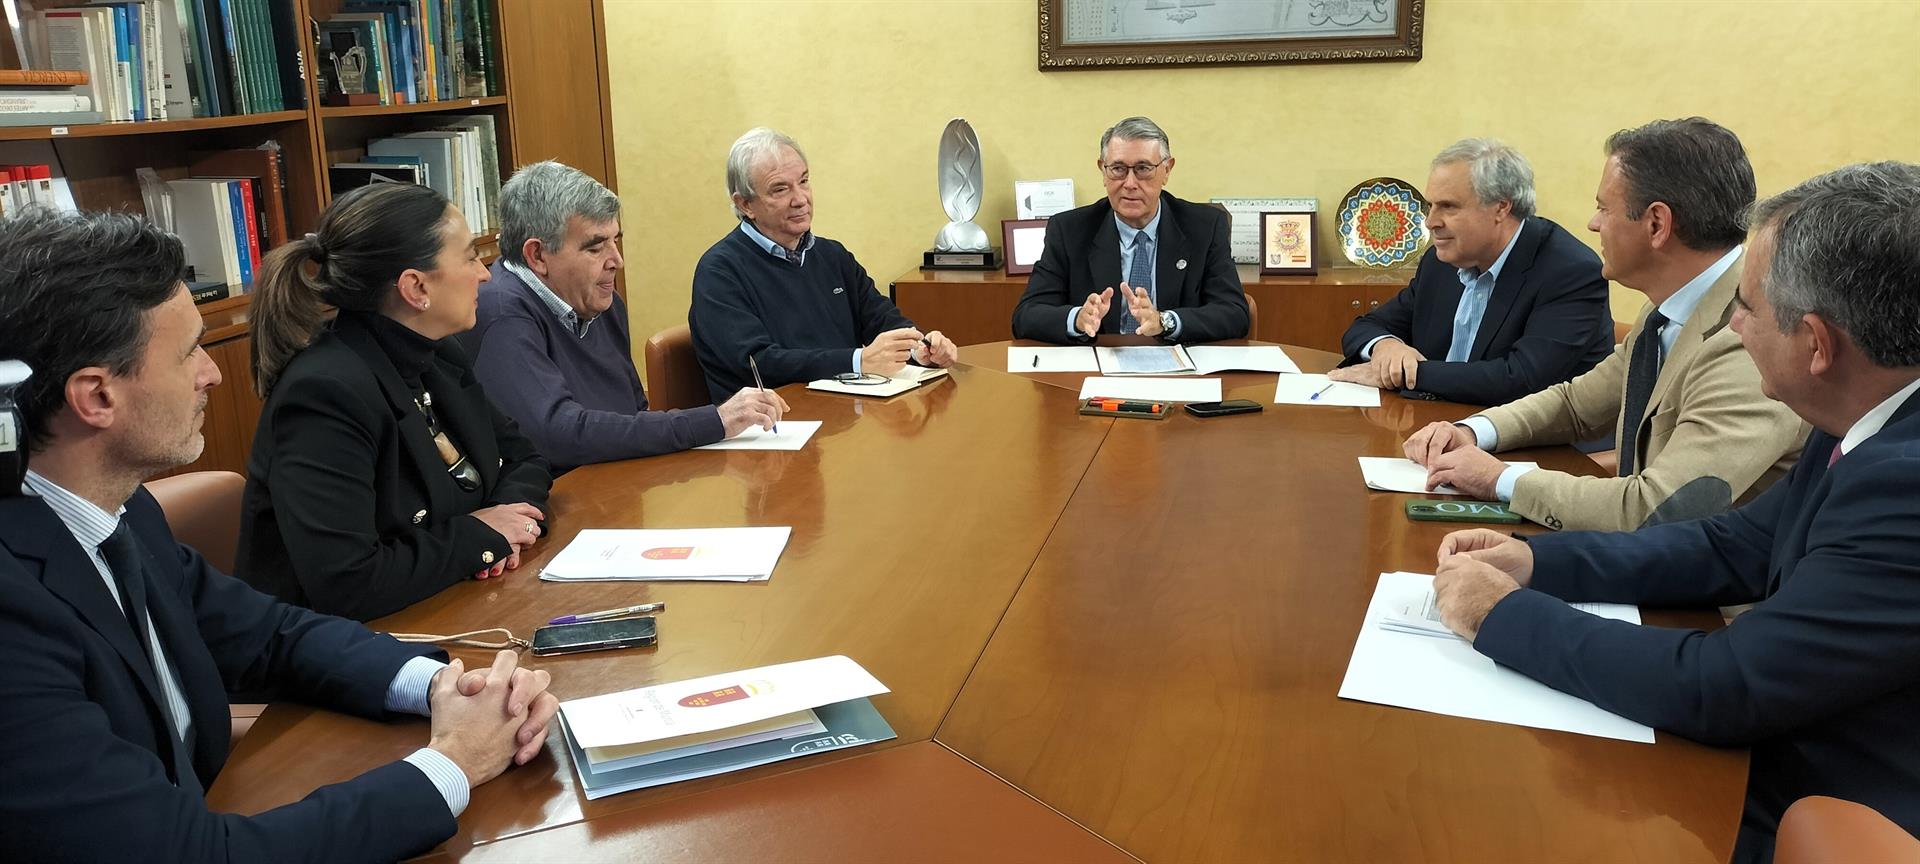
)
(866, 86)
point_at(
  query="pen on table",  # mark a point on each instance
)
(608, 613)
(759, 385)
(1036, 361)
(1316, 394)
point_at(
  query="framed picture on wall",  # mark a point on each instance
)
(1287, 245)
(1024, 238)
(1103, 34)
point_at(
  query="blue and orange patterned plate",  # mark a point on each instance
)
(1382, 223)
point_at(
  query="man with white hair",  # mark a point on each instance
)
(774, 295)
(1680, 399)
(1506, 303)
(1167, 259)
(551, 343)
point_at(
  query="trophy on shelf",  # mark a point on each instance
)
(961, 245)
(349, 83)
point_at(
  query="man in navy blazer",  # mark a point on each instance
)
(1505, 304)
(1167, 258)
(1821, 679)
(122, 645)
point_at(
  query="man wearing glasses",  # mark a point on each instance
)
(1142, 261)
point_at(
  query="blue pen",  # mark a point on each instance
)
(1316, 394)
(760, 385)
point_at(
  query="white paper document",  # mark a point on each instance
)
(1446, 676)
(1210, 359)
(906, 379)
(1314, 389)
(1393, 474)
(1155, 389)
(1144, 360)
(1071, 358)
(1039, 199)
(715, 702)
(622, 756)
(648, 554)
(793, 435)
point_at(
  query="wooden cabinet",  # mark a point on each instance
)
(1309, 311)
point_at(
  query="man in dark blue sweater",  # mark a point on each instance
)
(798, 304)
(552, 347)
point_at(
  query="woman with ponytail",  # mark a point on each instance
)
(380, 472)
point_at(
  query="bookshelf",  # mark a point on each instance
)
(568, 120)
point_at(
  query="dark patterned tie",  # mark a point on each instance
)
(1643, 368)
(127, 560)
(1139, 275)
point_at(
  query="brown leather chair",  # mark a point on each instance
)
(203, 509)
(1819, 830)
(1253, 319)
(674, 378)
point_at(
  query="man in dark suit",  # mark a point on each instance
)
(1822, 677)
(122, 645)
(1167, 257)
(1506, 303)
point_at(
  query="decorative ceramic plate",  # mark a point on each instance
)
(1382, 223)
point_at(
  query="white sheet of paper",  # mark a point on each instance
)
(1446, 676)
(1157, 389)
(1299, 390)
(648, 554)
(1039, 199)
(793, 435)
(716, 701)
(1209, 359)
(1071, 358)
(1393, 474)
(1144, 360)
(906, 379)
(1027, 245)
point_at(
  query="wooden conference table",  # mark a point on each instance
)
(1140, 624)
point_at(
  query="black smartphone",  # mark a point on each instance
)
(594, 636)
(1222, 409)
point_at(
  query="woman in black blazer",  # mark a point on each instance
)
(380, 472)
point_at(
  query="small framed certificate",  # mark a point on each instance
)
(1287, 245)
(1024, 239)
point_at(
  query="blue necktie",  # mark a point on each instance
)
(1139, 275)
(1643, 369)
(1466, 319)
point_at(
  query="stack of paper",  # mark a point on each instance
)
(1144, 360)
(705, 726)
(1388, 474)
(787, 435)
(706, 554)
(900, 382)
(1179, 359)
(1396, 665)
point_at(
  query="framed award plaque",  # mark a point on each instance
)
(1287, 245)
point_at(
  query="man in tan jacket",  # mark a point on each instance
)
(1694, 434)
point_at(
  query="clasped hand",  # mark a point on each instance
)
(1477, 568)
(1452, 457)
(519, 524)
(890, 351)
(1393, 365)
(482, 720)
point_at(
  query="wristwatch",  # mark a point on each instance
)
(1166, 325)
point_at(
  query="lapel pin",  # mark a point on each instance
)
(419, 517)
(1180, 264)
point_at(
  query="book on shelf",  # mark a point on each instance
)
(210, 216)
(347, 176)
(459, 157)
(174, 59)
(416, 50)
(33, 176)
(260, 165)
(41, 78)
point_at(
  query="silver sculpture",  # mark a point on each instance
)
(350, 70)
(960, 189)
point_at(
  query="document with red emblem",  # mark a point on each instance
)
(646, 554)
(634, 739)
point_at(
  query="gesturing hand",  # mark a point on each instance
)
(1140, 306)
(1093, 312)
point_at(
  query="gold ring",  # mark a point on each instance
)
(532, 528)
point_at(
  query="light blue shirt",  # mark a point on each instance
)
(1129, 242)
(91, 526)
(1477, 288)
(780, 252)
(1678, 308)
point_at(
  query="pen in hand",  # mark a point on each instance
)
(760, 385)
